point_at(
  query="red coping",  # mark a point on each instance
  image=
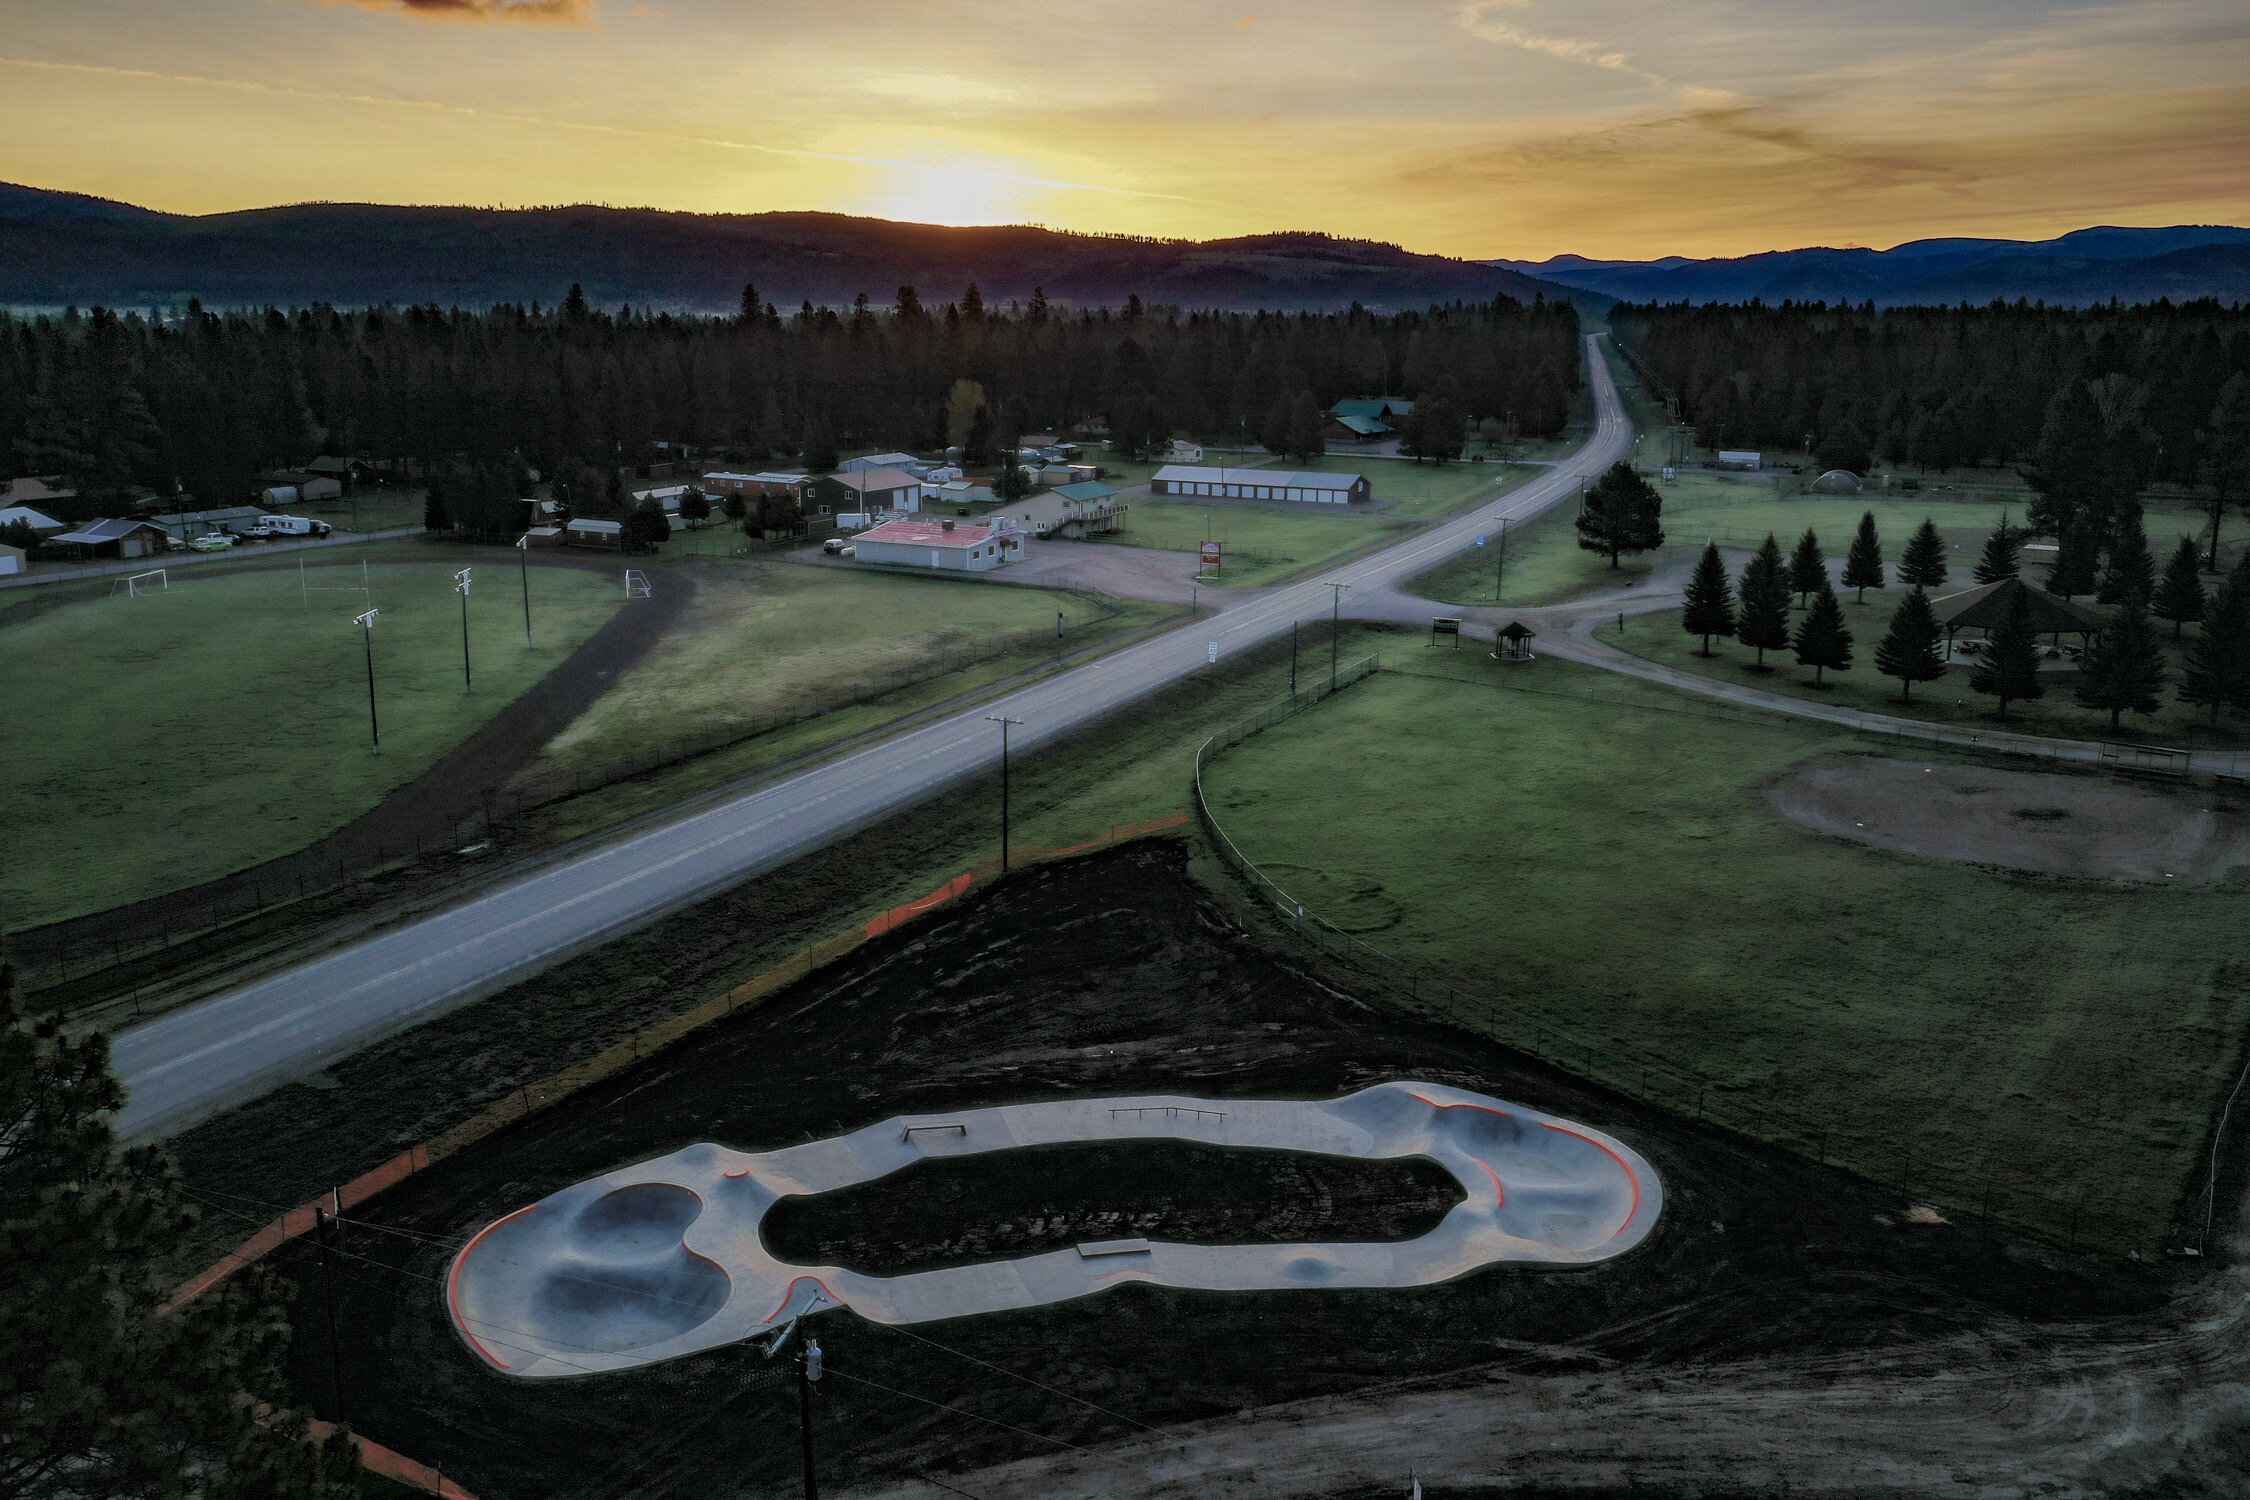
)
(453, 1286)
(1630, 1176)
(800, 1281)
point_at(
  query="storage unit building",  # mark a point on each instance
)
(1258, 484)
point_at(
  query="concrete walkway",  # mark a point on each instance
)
(664, 1259)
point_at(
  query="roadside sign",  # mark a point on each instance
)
(1210, 554)
(1212, 651)
(1480, 540)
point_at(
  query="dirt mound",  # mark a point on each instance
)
(2046, 822)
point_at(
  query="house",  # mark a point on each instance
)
(668, 496)
(955, 492)
(874, 461)
(187, 525)
(1388, 410)
(345, 471)
(946, 545)
(1259, 484)
(1183, 452)
(546, 512)
(792, 483)
(1073, 511)
(606, 534)
(42, 525)
(934, 473)
(869, 489)
(124, 538)
(1355, 429)
(11, 560)
(51, 490)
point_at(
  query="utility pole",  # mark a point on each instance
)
(366, 623)
(1499, 557)
(808, 1371)
(1335, 624)
(1292, 658)
(328, 1292)
(461, 587)
(1003, 721)
(523, 546)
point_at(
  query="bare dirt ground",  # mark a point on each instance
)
(1787, 1327)
(2049, 823)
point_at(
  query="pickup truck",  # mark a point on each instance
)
(216, 541)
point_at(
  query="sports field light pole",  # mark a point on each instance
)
(1003, 721)
(808, 1371)
(523, 545)
(461, 581)
(366, 623)
(1335, 624)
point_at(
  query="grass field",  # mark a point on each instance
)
(1949, 700)
(157, 742)
(373, 508)
(1259, 545)
(1612, 874)
(1420, 490)
(772, 641)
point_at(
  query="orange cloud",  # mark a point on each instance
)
(537, 12)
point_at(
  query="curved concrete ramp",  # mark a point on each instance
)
(665, 1258)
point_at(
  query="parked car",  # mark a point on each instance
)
(216, 541)
(834, 546)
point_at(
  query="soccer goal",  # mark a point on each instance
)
(636, 584)
(141, 583)
(306, 589)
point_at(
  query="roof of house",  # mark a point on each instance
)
(544, 531)
(601, 526)
(1364, 426)
(329, 464)
(1271, 478)
(884, 460)
(1372, 406)
(1086, 490)
(875, 479)
(94, 532)
(1986, 608)
(30, 491)
(661, 492)
(916, 531)
(16, 513)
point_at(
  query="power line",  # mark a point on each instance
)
(957, 1411)
(1012, 1375)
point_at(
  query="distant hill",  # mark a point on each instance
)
(2183, 262)
(58, 248)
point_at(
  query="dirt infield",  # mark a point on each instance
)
(2045, 822)
(426, 811)
(1109, 974)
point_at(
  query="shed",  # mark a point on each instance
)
(609, 534)
(121, 538)
(544, 536)
(1258, 484)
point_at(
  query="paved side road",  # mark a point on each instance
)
(187, 1065)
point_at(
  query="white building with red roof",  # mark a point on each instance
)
(931, 542)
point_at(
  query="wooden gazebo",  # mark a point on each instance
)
(1986, 608)
(1513, 642)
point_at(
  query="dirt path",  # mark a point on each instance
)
(425, 812)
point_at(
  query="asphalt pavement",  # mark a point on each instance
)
(188, 1065)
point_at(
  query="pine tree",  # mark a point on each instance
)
(101, 1393)
(1924, 564)
(2225, 447)
(2124, 667)
(1808, 567)
(647, 524)
(1863, 565)
(2003, 554)
(2179, 594)
(1011, 483)
(2009, 668)
(2131, 571)
(1764, 619)
(1910, 649)
(1623, 514)
(819, 454)
(2216, 672)
(1710, 599)
(1823, 640)
(2077, 560)
(436, 515)
(695, 509)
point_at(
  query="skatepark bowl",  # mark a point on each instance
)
(663, 1259)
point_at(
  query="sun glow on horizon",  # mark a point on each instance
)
(954, 193)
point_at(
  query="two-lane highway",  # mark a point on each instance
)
(187, 1065)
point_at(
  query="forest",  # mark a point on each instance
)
(129, 405)
(2092, 406)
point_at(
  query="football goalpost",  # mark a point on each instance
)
(306, 589)
(141, 583)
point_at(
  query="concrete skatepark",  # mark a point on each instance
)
(664, 1258)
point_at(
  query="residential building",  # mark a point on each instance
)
(48, 491)
(945, 545)
(1072, 511)
(874, 461)
(868, 489)
(1389, 410)
(40, 522)
(1259, 484)
(790, 482)
(1353, 429)
(1183, 452)
(124, 538)
(607, 534)
(187, 525)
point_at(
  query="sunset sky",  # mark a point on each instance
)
(1483, 128)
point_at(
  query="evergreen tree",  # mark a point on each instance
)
(101, 1394)
(820, 454)
(1763, 622)
(1709, 609)
(1823, 641)
(2179, 594)
(1011, 483)
(2224, 470)
(2077, 559)
(1808, 567)
(732, 506)
(1273, 433)
(2009, 668)
(2216, 672)
(2131, 571)
(2124, 667)
(1923, 566)
(436, 514)
(2003, 554)
(1623, 514)
(1307, 437)
(976, 448)
(1863, 565)
(695, 509)
(1845, 447)
(1910, 650)
(647, 525)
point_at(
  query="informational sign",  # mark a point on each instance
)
(1210, 554)
(1670, 473)
(1212, 651)
(1480, 540)
(1446, 625)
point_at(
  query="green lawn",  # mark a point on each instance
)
(373, 508)
(766, 642)
(1421, 489)
(1611, 877)
(157, 742)
(1258, 545)
(1946, 701)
